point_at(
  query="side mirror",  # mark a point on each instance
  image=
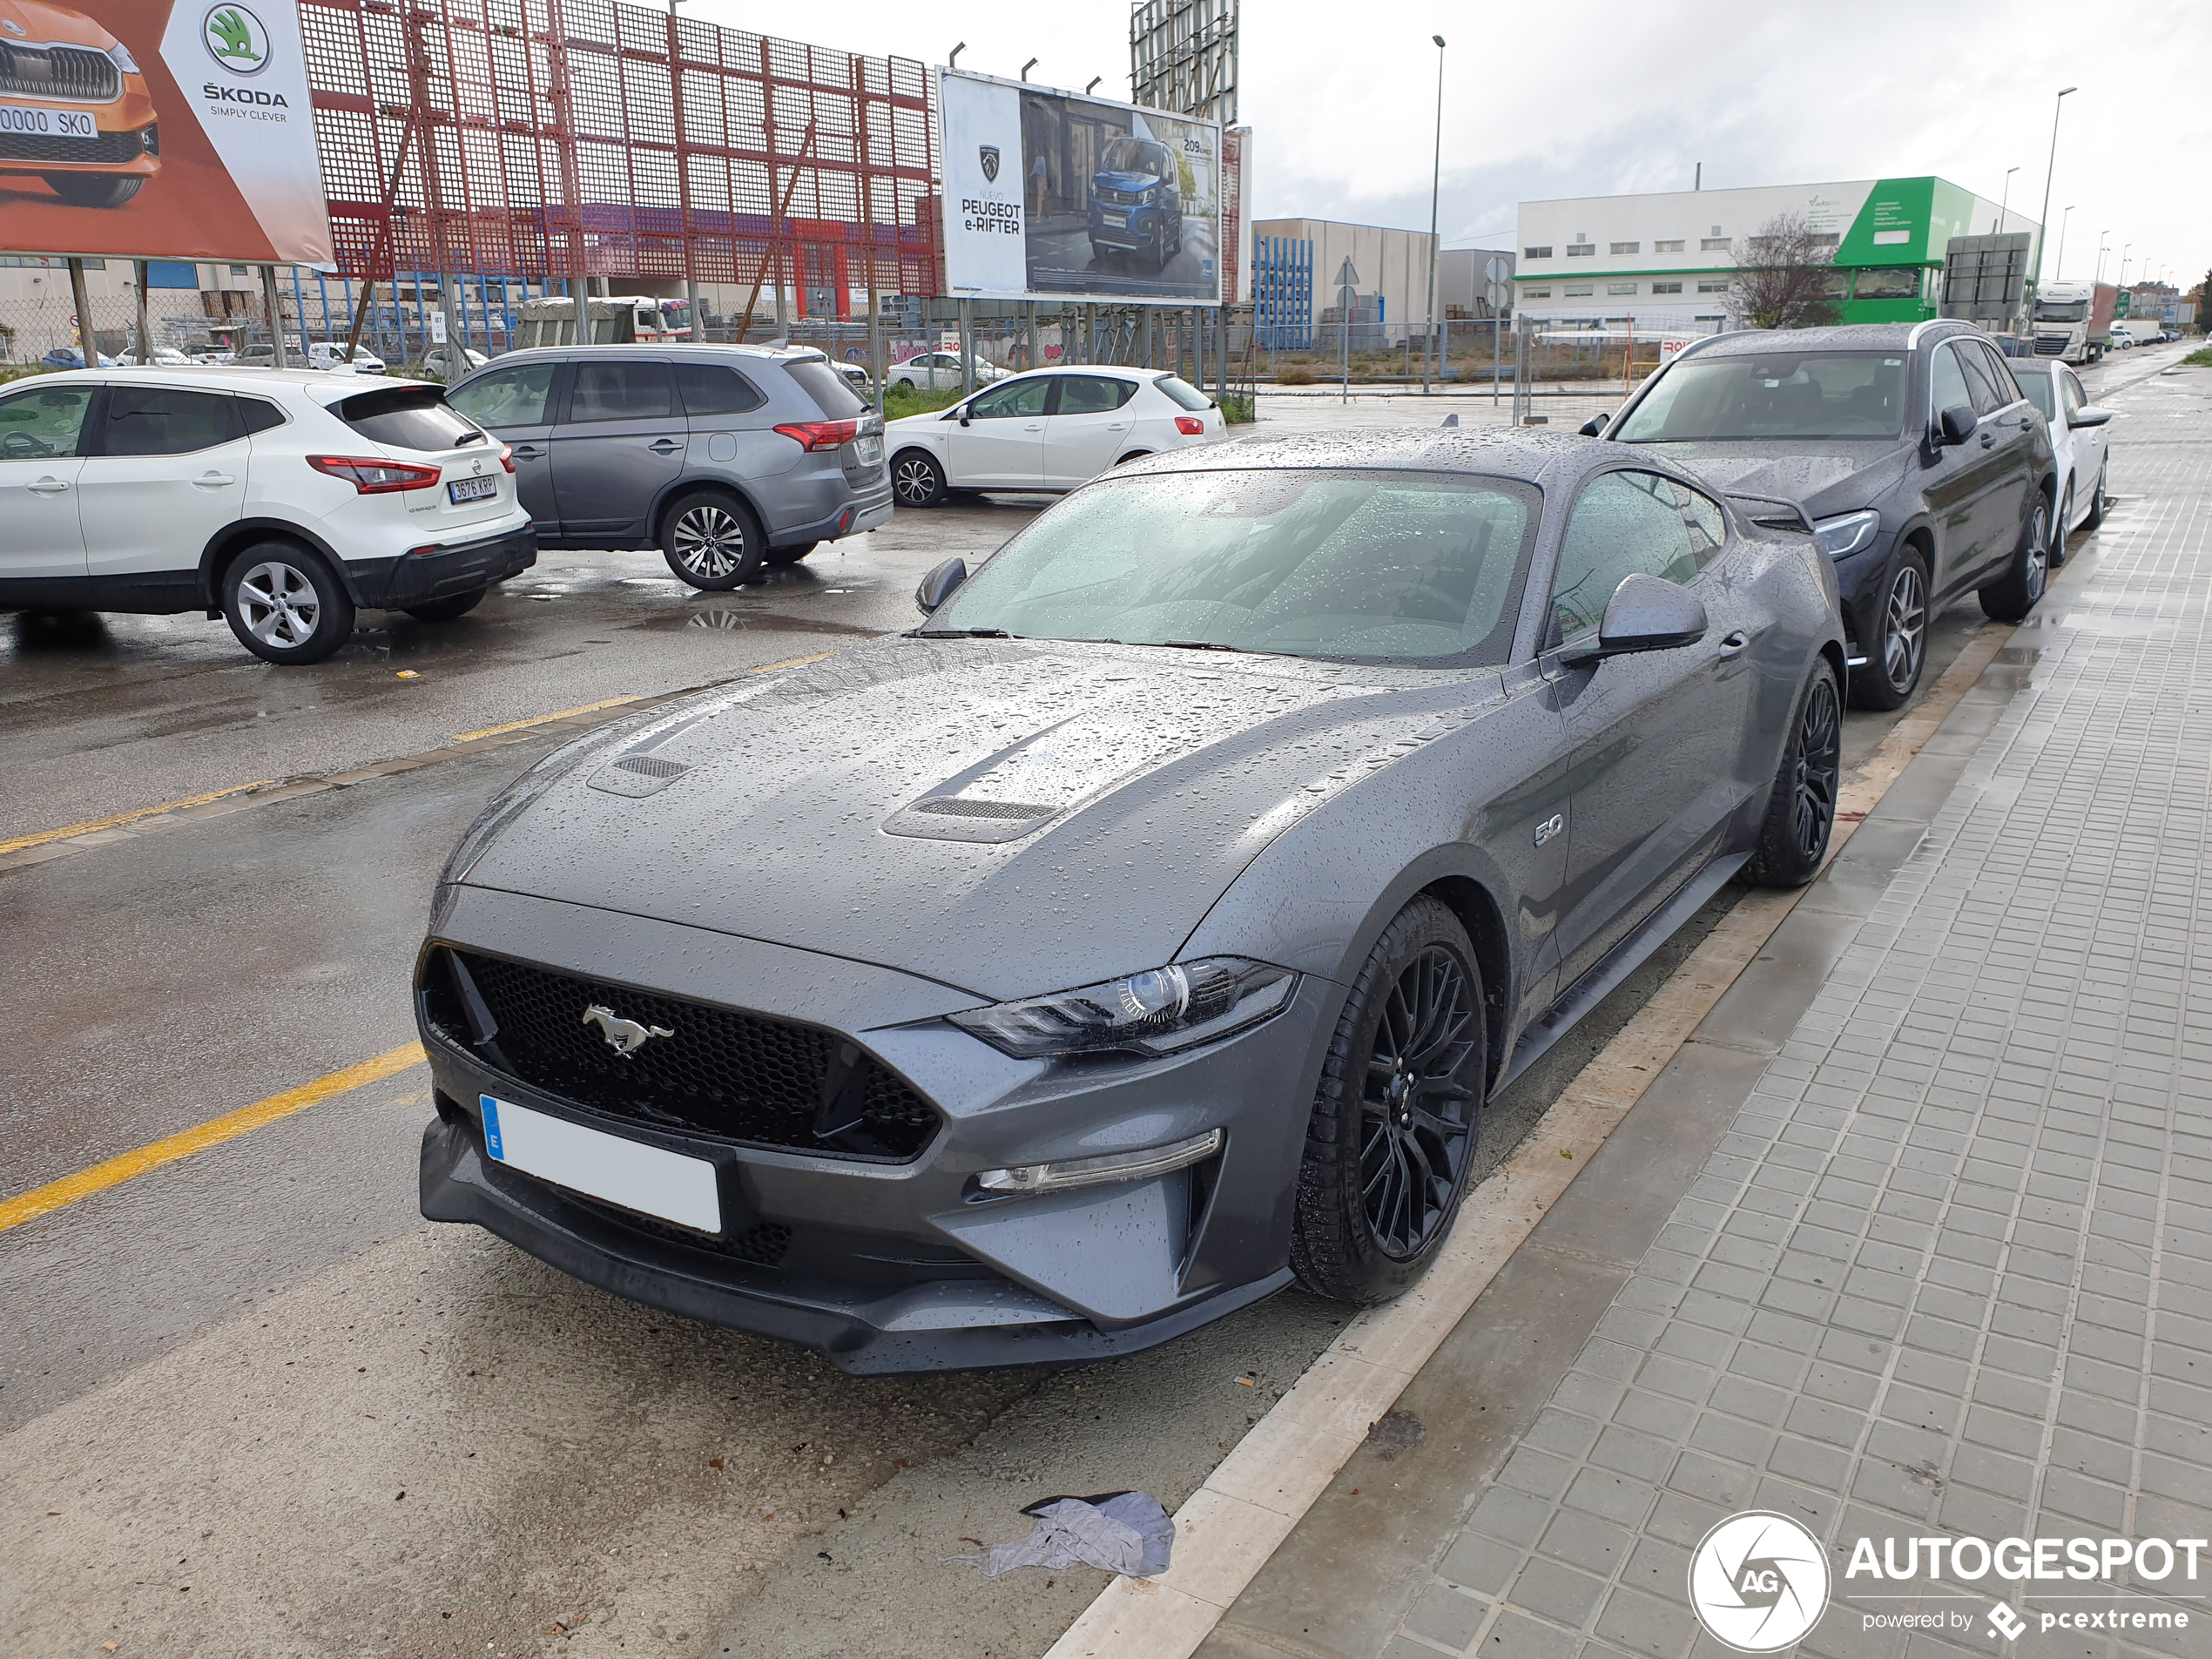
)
(1646, 613)
(938, 585)
(963, 417)
(1957, 423)
(1592, 428)
(2088, 414)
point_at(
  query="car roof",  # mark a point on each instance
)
(193, 374)
(1112, 371)
(1499, 452)
(1856, 336)
(686, 348)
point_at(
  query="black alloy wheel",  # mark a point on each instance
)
(2026, 574)
(917, 480)
(1899, 649)
(1801, 813)
(1392, 1139)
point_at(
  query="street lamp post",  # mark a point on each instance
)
(2035, 266)
(2058, 265)
(1435, 183)
(2124, 246)
(2103, 247)
(2003, 202)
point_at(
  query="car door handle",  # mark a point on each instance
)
(526, 452)
(213, 480)
(48, 486)
(663, 446)
(1118, 425)
(1989, 440)
(1035, 426)
(1734, 642)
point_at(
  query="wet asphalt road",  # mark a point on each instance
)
(224, 1374)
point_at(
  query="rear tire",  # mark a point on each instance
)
(1801, 813)
(1899, 649)
(2018, 591)
(711, 540)
(790, 555)
(446, 609)
(2059, 529)
(94, 190)
(917, 480)
(1392, 1138)
(285, 604)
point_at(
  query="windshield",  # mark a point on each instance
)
(1782, 395)
(1422, 567)
(2055, 312)
(1133, 155)
(2036, 387)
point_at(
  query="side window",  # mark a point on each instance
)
(1987, 397)
(1625, 524)
(1708, 525)
(1093, 394)
(2000, 375)
(1007, 403)
(2075, 396)
(258, 414)
(44, 424)
(714, 388)
(621, 392)
(1947, 384)
(159, 421)
(507, 397)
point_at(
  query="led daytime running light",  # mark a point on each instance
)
(1063, 1173)
(1160, 1011)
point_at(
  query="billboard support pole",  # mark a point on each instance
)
(967, 347)
(274, 307)
(775, 234)
(368, 273)
(86, 348)
(146, 330)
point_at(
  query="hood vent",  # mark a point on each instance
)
(636, 775)
(652, 766)
(1014, 811)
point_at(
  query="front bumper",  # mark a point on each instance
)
(1142, 227)
(887, 1265)
(463, 567)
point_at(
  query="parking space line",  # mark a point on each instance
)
(1228, 1529)
(121, 819)
(541, 719)
(41, 1201)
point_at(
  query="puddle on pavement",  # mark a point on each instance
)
(732, 620)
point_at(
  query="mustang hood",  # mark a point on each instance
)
(1009, 817)
(1826, 475)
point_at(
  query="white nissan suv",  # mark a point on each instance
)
(282, 499)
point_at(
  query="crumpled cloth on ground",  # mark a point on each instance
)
(1122, 1532)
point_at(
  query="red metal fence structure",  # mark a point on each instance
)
(565, 139)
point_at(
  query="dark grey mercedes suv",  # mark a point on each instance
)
(1927, 474)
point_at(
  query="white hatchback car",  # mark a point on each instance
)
(939, 371)
(2077, 443)
(1049, 430)
(282, 499)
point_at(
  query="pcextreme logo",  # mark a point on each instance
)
(235, 39)
(1758, 1581)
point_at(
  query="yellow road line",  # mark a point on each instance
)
(770, 668)
(535, 719)
(120, 818)
(41, 1201)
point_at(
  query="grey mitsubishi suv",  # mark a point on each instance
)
(724, 457)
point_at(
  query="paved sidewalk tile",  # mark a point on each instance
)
(1949, 1273)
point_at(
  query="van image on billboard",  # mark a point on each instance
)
(1137, 202)
(74, 107)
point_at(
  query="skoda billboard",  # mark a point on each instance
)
(161, 129)
(1054, 196)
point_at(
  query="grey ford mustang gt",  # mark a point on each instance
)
(1145, 929)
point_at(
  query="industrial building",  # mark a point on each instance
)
(1392, 267)
(1665, 261)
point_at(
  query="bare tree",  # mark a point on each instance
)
(1784, 277)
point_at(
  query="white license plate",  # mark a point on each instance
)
(649, 1179)
(463, 490)
(48, 123)
(871, 451)
(1118, 220)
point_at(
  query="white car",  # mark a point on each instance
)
(164, 357)
(1049, 430)
(331, 354)
(2077, 443)
(283, 499)
(434, 361)
(939, 371)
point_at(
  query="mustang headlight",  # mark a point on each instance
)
(120, 55)
(1161, 1011)
(1845, 534)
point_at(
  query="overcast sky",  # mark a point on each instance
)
(1594, 98)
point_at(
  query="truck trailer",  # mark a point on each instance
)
(2073, 320)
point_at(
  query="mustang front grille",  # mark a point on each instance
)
(696, 1068)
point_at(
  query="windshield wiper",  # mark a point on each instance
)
(1215, 644)
(963, 633)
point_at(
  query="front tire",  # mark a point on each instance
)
(917, 480)
(1391, 1140)
(2059, 530)
(2020, 588)
(2097, 503)
(285, 604)
(1801, 813)
(94, 190)
(1899, 649)
(712, 541)
(446, 609)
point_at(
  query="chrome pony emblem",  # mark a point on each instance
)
(625, 1037)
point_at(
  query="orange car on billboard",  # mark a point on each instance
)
(74, 107)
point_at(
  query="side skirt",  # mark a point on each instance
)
(1629, 955)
